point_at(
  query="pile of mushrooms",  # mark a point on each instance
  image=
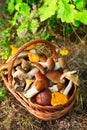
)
(35, 75)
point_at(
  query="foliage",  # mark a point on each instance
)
(2, 93)
(27, 17)
(68, 11)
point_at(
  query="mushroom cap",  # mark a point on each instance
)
(54, 76)
(58, 99)
(42, 78)
(62, 62)
(50, 63)
(25, 65)
(70, 75)
(44, 98)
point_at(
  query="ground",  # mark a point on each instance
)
(13, 116)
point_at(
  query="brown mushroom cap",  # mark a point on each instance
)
(50, 63)
(54, 76)
(62, 62)
(41, 80)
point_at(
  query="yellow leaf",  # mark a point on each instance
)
(58, 99)
(33, 57)
(64, 52)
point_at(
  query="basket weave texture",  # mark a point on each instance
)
(41, 112)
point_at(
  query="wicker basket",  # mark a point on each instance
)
(41, 112)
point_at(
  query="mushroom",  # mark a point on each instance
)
(57, 87)
(20, 73)
(39, 66)
(51, 65)
(28, 83)
(70, 75)
(68, 87)
(5, 65)
(58, 99)
(44, 97)
(54, 76)
(18, 84)
(25, 65)
(41, 83)
(31, 73)
(33, 57)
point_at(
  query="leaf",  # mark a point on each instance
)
(82, 16)
(34, 24)
(66, 12)
(48, 9)
(80, 4)
(11, 6)
(18, 1)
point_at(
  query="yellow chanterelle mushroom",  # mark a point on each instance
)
(58, 99)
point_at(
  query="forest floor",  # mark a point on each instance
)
(13, 116)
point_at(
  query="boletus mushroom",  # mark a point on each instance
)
(40, 83)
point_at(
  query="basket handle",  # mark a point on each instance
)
(49, 44)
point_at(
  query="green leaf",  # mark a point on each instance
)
(82, 16)
(80, 4)
(76, 23)
(34, 25)
(11, 6)
(18, 1)
(22, 29)
(48, 9)
(68, 29)
(2, 93)
(66, 12)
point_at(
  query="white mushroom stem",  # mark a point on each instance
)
(57, 65)
(31, 92)
(19, 74)
(54, 88)
(31, 73)
(67, 89)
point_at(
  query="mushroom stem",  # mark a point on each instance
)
(31, 92)
(31, 73)
(54, 88)
(68, 87)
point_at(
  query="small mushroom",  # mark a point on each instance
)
(57, 87)
(39, 66)
(18, 84)
(28, 83)
(70, 75)
(50, 64)
(40, 83)
(54, 76)
(5, 65)
(19, 73)
(25, 65)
